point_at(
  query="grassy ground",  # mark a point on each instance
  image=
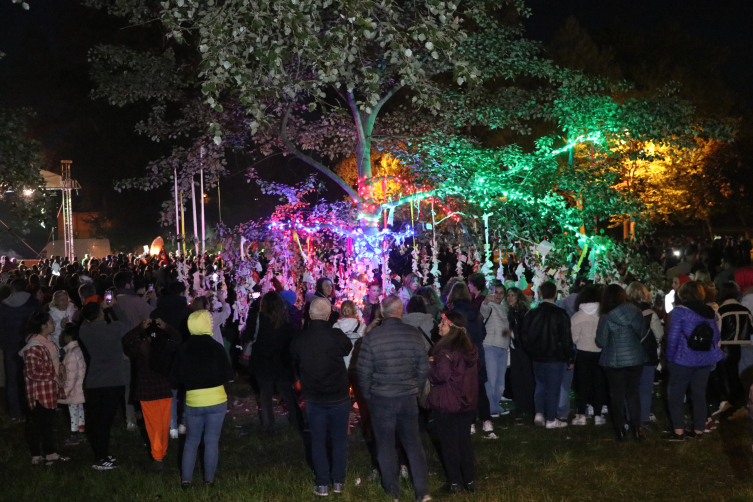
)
(525, 464)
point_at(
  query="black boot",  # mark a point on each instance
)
(638, 433)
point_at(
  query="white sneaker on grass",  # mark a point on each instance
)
(579, 420)
(488, 426)
(538, 419)
(556, 424)
(473, 428)
(599, 420)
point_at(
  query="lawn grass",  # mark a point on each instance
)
(525, 464)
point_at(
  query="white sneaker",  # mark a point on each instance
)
(473, 428)
(605, 410)
(488, 426)
(173, 433)
(181, 429)
(723, 406)
(504, 400)
(599, 420)
(538, 419)
(589, 411)
(579, 420)
(556, 424)
(404, 472)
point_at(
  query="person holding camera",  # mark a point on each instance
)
(151, 345)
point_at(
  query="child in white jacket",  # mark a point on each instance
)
(75, 370)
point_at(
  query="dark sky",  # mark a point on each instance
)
(46, 69)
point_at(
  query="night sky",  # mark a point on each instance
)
(45, 69)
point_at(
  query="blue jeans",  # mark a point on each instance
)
(646, 391)
(548, 378)
(563, 407)
(329, 421)
(496, 367)
(680, 377)
(206, 421)
(390, 414)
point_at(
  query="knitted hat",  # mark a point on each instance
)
(200, 323)
(744, 278)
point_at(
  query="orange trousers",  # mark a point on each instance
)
(157, 421)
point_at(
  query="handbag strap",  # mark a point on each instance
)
(428, 338)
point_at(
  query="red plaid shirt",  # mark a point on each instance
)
(40, 377)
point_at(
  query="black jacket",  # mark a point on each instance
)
(174, 311)
(737, 323)
(318, 354)
(14, 312)
(392, 361)
(476, 331)
(545, 334)
(201, 363)
(270, 356)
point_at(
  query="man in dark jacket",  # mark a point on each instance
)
(392, 370)
(546, 338)
(318, 354)
(14, 311)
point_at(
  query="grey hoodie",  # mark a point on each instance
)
(423, 322)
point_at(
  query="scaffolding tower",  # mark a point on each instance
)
(68, 185)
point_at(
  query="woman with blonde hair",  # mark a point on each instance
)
(62, 311)
(653, 332)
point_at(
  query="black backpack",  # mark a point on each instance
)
(648, 342)
(161, 351)
(702, 338)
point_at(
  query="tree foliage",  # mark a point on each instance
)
(21, 183)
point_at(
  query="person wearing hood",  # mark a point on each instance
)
(689, 367)
(417, 316)
(590, 380)
(294, 313)
(460, 301)
(202, 367)
(104, 385)
(62, 311)
(453, 399)
(14, 311)
(619, 336)
(653, 332)
(547, 339)
(43, 375)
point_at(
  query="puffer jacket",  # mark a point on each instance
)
(619, 335)
(683, 322)
(454, 380)
(736, 323)
(546, 336)
(75, 371)
(497, 325)
(476, 331)
(392, 361)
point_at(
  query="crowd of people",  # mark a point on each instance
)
(125, 331)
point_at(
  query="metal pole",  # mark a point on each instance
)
(219, 200)
(195, 223)
(177, 222)
(203, 224)
(182, 222)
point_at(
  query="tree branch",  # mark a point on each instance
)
(382, 101)
(407, 198)
(314, 163)
(356, 116)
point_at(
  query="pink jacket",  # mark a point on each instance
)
(75, 370)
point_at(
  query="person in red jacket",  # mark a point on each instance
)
(453, 399)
